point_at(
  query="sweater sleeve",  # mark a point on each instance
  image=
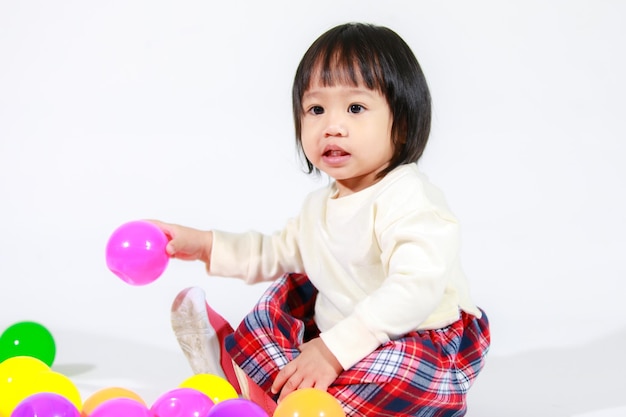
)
(417, 249)
(256, 257)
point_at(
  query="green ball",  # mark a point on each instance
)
(27, 338)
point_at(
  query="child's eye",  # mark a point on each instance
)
(355, 108)
(316, 110)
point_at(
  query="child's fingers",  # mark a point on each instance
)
(282, 377)
(166, 228)
(293, 383)
(170, 231)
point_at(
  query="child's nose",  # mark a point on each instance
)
(336, 126)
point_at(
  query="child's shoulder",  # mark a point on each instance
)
(406, 188)
(405, 180)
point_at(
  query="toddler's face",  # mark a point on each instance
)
(346, 133)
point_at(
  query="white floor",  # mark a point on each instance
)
(583, 381)
(577, 381)
(94, 362)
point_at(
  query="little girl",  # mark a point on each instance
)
(369, 300)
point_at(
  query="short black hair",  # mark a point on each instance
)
(355, 53)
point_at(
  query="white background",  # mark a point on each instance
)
(122, 110)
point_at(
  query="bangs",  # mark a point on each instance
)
(345, 65)
(351, 56)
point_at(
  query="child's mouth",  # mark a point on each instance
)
(335, 156)
(335, 153)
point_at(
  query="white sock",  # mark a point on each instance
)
(194, 332)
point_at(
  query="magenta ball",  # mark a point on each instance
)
(136, 252)
(182, 402)
(121, 407)
(237, 407)
(45, 404)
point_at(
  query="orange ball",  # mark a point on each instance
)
(105, 394)
(309, 402)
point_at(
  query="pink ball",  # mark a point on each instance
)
(45, 404)
(237, 407)
(182, 402)
(118, 407)
(136, 252)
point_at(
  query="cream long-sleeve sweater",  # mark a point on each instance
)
(385, 261)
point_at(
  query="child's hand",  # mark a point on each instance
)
(315, 367)
(186, 243)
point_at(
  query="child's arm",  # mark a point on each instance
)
(315, 367)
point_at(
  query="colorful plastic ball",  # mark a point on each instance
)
(309, 402)
(45, 404)
(237, 407)
(20, 365)
(28, 338)
(106, 394)
(215, 387)
(182, 402)
(121, 407)
(58, 383)
(16, 376)
(136, 252)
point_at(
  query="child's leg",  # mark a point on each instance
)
(196, 336)
(201, 332)
(269, 337)
(423, 374)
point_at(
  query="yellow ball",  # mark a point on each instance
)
(17, 366)
(215, 387)
(16, 375)
(57, 383)
(44, 381)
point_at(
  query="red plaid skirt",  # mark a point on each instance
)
(425, 373)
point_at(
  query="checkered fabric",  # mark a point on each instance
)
(425, 373)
